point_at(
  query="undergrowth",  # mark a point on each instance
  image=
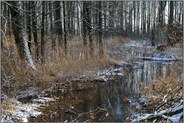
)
(164, 92)
(16, 77)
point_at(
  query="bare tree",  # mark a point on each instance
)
(84, 30)
(148, 19)
(89, 27)
(138, 17)
(57, 23)
(28, 23)
(17, 28)
(162, 5)
(101, 52)
(64, 23)
(34, 27)
(171, 12)
(42, 32)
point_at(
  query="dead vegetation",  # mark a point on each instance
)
(16, 77)
(120, 40)
(163, 95)
(7, 106)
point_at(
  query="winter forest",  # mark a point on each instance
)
(91, 61)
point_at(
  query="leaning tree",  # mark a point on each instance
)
(17, 27)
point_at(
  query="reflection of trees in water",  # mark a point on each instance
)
(151, 70)
(110, 95)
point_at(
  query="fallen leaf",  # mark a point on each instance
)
(128, 119)
(92, 117)
(133, 108)
(125, 99)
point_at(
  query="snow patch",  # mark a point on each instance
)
(22, 112)
(176, 118)
(43, 100)
(111, 72)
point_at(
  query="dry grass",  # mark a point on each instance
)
(120, 40)
(168, 89)
(7, 106)
(16, 77)
(14, 74)
(170, 81)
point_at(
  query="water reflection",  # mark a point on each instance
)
(150, 70)
(109, 95)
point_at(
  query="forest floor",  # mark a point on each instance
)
(55, 94)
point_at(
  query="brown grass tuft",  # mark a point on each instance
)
(16, 77)
(120, 40)
(168, 89)
(7, 106)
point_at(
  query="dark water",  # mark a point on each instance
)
(106, 101)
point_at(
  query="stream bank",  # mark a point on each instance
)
(113, 95)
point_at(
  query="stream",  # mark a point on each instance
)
(106, 101)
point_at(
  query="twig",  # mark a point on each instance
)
(97, 110)
(111, 106)
(169, 112)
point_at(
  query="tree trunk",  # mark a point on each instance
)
(105, 14)
(28, 19)
(121, 15)
(130, 18)
(9, 23)
(42, 32)
(51, 26)
(171, 12)
(144, 18)
(162, 6)
(126, 27)
(138, 16)
(57, 23)
(148, 20)
(64, 23)
(22, 45)
(68, 11)
(50, 16)
(111, 14)
(78, 23)
(34, 27)
(101, 52)
(84, 31)
(134, 5)
(89, 29)
(154, 23)
(46, 19)
(180, 12)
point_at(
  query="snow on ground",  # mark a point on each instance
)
(160, 59)
(174, 118)
(111, 71)
(141, 49)
(42, 100)
(139, 43)
(21, 112)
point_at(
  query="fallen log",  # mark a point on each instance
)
(172, 114)
(159, 59)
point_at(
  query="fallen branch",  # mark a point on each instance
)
(94, 112)
(170, 100)
(160, 59)
(165, 114)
